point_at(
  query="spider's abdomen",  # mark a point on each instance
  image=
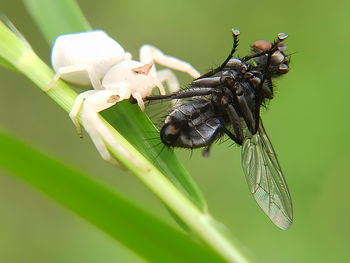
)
(192, 125)
(94, 49)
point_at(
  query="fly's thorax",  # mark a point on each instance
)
(238, 65)
(234, 63)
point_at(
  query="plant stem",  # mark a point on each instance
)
(199, 222)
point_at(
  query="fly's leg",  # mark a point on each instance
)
(236, 125)
(235, 34)
(247, 114)
(206, 151)
(212, 81)
(182, 94)
(245, 109)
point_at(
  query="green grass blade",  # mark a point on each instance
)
(126, 118)
(7, 65)
(125, 222)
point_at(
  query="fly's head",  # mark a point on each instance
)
(273, 61)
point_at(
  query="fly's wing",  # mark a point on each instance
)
(265, 179)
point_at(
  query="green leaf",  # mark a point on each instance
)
(146, 235)
(7, 65)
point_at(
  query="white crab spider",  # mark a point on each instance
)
(93, 58)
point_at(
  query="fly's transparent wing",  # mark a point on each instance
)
(265, 179)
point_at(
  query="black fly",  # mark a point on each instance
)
(227, 100)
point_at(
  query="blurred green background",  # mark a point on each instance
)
(308, 124)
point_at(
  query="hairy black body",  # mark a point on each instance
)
(227, 101)
(234, 93)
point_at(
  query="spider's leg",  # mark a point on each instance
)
(93, 103)
(139, 100)
(96, 128)
(78, 103)
(150, 53)
(166, 75)
(84, 69)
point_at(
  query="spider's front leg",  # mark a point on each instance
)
(90, 104)
(150, 53)
(78, 103)
(166, 75)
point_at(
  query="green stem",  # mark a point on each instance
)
(199, 222)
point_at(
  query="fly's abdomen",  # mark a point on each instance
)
(192, 125)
